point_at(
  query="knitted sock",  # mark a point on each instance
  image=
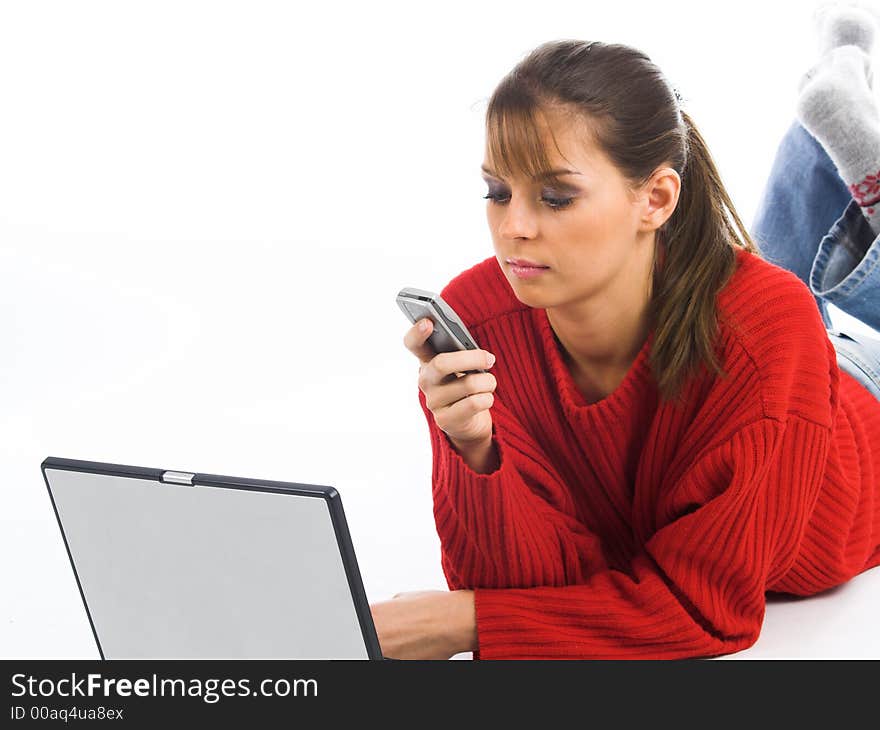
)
(845, 24)
(837, 106)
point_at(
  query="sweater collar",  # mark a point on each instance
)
(626, 394)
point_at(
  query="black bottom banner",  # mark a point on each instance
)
(147, 692)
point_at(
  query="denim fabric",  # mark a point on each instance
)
(846, 271)
(860, 357)
(808, 223)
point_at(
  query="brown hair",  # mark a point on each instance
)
(636, 119)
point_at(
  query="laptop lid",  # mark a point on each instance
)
(183, 565)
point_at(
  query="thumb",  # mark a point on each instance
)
(416, 340)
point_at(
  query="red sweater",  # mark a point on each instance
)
(630, 529)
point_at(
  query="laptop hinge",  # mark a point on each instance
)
(177, 477)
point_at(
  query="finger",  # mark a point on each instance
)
(462, 410)
(446, 364)
(447, 367)
(415, 340)
(446, 394)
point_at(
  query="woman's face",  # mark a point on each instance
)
(584, 228)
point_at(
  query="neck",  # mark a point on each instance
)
(601, 337)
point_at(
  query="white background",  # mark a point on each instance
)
(207, 208)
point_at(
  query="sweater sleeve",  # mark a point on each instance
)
(515, 527)
(696, 588)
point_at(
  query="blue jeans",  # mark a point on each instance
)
(799, 226)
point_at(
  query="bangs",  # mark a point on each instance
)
(514, 140)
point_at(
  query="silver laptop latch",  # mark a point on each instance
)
(177, 477)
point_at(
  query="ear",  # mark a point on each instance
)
(658, 198)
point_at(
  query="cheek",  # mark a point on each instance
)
(493, 218)
(587, 227)
(601, 222)
(598, 237)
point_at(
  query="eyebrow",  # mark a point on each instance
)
(550, 174)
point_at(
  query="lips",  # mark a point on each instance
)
(525, 263)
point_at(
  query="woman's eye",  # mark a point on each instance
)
(553, 203)
(557, 203)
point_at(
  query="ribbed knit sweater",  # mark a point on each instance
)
(627, 528)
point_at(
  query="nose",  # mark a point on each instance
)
(518, 219)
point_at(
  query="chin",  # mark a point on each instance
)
(529, 294)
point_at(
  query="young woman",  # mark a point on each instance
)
(667, 432)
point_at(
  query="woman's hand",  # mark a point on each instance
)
(426, 624)
(460, 404)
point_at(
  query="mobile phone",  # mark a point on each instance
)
(449, 333)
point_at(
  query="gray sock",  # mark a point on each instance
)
(846, 24)
(837, 106)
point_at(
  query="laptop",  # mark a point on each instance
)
(182, 565)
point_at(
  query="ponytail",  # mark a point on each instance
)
(698, 255)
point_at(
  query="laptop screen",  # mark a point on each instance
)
(182, 571)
